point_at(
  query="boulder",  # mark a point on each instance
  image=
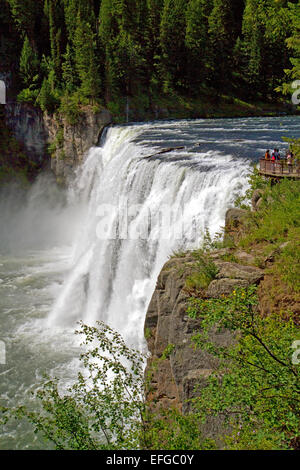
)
(238, 271)
(256, 199)
(224, 287)
(234, 217)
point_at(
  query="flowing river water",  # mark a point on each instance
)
(94, 252)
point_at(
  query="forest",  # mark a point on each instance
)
(64, 54)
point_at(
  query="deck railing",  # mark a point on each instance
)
(281, 167)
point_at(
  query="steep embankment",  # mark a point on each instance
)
(29, 138)
(69, 141)
(14, 162)
(167, 322)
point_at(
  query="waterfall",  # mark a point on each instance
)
(139, 211)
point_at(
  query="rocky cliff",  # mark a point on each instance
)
(69, 143)
(175, 368)
(168, 327)
(27, 125)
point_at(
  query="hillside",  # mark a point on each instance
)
(222, 323)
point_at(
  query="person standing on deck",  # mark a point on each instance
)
(289, 159)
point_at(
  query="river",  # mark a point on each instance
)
(94, 252)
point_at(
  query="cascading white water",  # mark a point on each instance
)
(58, 264)
(139, 211)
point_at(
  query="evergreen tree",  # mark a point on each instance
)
(253, 33)
(68, 70)
(264, 32)
(172, 42)
(222, 35)
(29, 63)
(197, 43)
(26, 13)
(154, 8)
(293, 42)
(120, 32)
(53, 11)
(85, 59)
(47, 99)
(74, 7)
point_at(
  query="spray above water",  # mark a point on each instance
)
(94, 253)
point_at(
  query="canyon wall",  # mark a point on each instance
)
(175, 367)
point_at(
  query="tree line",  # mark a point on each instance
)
(98, 51)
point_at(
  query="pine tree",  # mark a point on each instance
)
(125, 45)
(222, 40)
(293, 42)
(196, 39)
(172, 42)
(53, 10)
(68, 70)
(25, 13)
(264, 39)
(29, 63)
(85, 59)
(74, 7)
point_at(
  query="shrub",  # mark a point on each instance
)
(255, 386)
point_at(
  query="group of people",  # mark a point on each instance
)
(289, 156)
(275, 156)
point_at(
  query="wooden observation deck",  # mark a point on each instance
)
(279, 169)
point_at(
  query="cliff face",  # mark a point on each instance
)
(175, 368)
(168, 327)
(28, 128)
(70, 143)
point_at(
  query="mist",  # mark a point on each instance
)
(36, 217)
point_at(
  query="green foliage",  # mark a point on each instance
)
(206, 271)
(68, 70)
(85, 59)
(173, 59)
(255, 181)
(294, 145)
(29, 63)
(221, 30)
(70, 106)
(197, 43)
(264, 47)
(173, 431)
(277, 222)
(275, 225)
(293, 45)
(25, 13)
(168, 351)
(48, 99)
(104, 408)
(255, 387)
(28, 95)
(175, 51)
(288, 262)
